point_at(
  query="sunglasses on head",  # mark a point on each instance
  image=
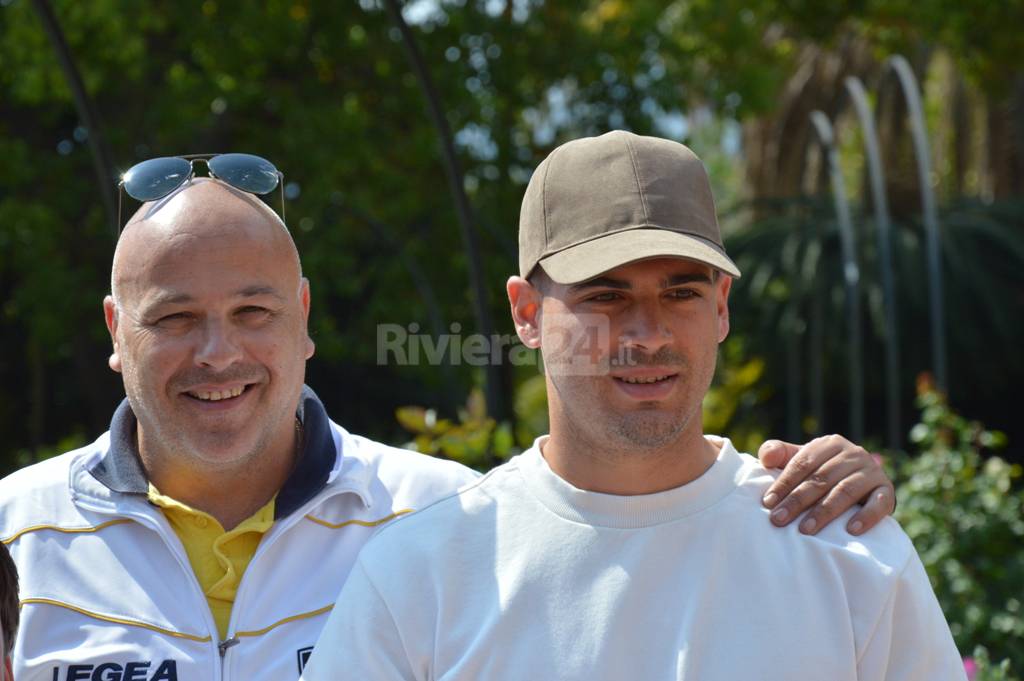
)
(156, 178)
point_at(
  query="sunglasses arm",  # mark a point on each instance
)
(280, 183)
(120, 199)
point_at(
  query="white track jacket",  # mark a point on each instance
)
(107, 590)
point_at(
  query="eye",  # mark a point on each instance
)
(684, 293)
(174, 320)
(177, 316)
(606, 297)
(253, 312)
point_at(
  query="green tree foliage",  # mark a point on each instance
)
(325, 91)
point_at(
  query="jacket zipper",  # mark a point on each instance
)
(227, 643)
(276, 531)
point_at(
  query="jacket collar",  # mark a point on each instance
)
(120, 468)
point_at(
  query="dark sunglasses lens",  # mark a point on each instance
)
(247, 172)
(156, 178)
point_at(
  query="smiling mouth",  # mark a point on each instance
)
(643, 380)
(217, 395)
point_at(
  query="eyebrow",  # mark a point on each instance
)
(169, 299)
(610, 282)
(259, 290)
(172, 298)
(694, 278)
(601, 282)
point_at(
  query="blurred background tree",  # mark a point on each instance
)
(325, 90)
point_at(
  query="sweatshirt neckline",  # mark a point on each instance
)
(630, 512)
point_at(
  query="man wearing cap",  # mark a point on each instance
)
(627, 544)
(208, 533)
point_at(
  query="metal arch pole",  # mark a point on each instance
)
(851, 273)
(908, 83)
(883, 224)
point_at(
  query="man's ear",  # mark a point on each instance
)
(525, 302)
(722, 289)
(304, 298)
(110, 316)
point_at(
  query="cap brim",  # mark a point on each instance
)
(597, 256)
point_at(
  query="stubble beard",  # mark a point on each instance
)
(636, 432)
(648, 430)
(624, 435)
(170, 440)
(209, 451)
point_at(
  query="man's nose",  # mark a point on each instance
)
(218, 347)
(645, 327)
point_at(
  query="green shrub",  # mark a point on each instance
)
(980, 668)
(963, 512)
(477, 440)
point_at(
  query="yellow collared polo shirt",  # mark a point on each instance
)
(218, 558)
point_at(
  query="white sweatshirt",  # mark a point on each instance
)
(523, 576)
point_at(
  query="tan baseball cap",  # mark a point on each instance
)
(600, 202)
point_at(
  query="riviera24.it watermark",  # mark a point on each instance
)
(574, 345)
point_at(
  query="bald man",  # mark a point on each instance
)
(208, 532)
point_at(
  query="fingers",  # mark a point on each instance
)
(880, 503)
(807, 460)
(776, 453)
(847, 492)
(837, 481)
(828, 476)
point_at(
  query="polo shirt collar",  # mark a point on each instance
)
(120, 468)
